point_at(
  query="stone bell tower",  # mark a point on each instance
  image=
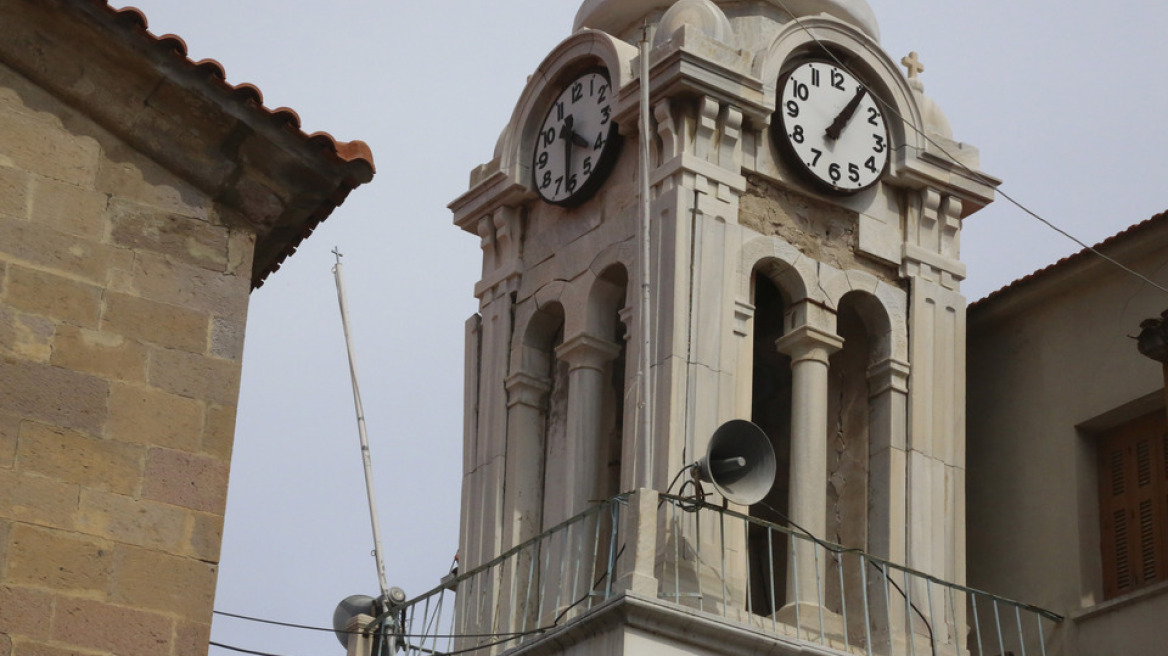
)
(806, 202)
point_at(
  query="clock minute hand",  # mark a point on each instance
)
(837, 126)
(566, 133)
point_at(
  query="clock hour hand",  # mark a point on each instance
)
(579, 141)
(837, 126)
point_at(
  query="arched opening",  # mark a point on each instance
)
(771, 410)
(545, 333)
(862, 323)
(606, 304)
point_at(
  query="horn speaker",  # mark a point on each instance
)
(740, 462)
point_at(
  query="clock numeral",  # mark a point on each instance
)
(559, 181)
(570, 186)
(879, 147)
(871, 164)
(833, 171)
(853, 173)
(577, 92)
(792, 109)
(874, 116)
(547, 179)
(560, 111)
(603, 92)
(543, 160)
(818, 154)
(599, 142)
(606, 112)
(549, 136)
(587, 166)
(814, 76)
(797, 134)
(801, 91)
(837, 79)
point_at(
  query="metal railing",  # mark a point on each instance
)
(525, 592)
(742, 568)
(715, 561)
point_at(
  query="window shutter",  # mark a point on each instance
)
(1133, 504)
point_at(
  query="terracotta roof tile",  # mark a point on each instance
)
(341, 152)
(134, 17)
(1070, 260)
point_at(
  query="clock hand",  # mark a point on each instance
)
(566, 133)
(578, 140)
(837, 126)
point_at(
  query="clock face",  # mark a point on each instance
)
(577, 141)
(831, 127)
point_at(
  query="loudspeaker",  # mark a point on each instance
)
(739, 462)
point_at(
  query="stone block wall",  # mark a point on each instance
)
(123, 298)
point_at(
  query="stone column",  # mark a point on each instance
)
(809, 348)
(587, 359)
(523, 500)
(523, 497)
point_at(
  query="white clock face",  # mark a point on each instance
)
(577, 141)
(832, 126)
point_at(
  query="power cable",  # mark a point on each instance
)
(837, 549)
(978, 176)
(241, 650)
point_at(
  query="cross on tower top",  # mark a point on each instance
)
(914, 65)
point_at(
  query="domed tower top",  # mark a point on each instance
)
(614, 16)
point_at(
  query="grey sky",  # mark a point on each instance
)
(1064, 99)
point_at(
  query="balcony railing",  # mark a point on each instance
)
(720, 563)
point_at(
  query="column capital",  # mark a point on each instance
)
(890, 374)
(584, 351)
(526, 389)
(809, 343)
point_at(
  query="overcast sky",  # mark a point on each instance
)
(1065, 100)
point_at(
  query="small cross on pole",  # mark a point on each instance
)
(914, 65)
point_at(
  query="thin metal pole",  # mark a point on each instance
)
(976, 625)
(646, 408)
(378, 555)
(1021, 636)
(867, 613)
(839, 561)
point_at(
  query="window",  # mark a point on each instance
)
(1133, 504)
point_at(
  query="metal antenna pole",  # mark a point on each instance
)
(377, 551)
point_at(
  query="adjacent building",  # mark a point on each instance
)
(142, 198)
(1068, 445)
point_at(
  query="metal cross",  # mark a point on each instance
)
(914, 65)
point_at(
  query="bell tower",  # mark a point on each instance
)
(805, 209)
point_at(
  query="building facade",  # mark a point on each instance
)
(142, 198)
(1068, 473)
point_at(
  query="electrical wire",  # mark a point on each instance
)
(404, 635)
(891, 109)
(241, 650)
(843, 550)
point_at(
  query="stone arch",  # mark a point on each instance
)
(864, 56)
(781, 262)
(884, 309)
